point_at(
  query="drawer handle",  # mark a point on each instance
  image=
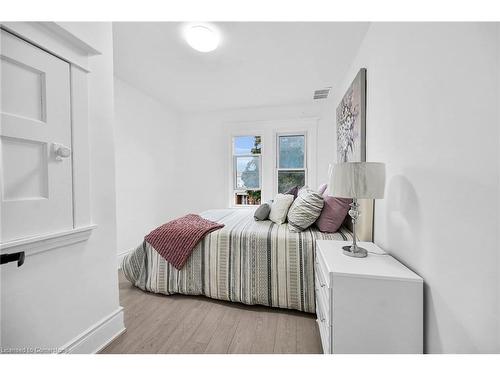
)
(321, 318)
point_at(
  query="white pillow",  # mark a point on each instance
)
(279, 208)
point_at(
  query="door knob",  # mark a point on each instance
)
(61, 151)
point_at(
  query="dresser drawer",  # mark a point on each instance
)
(324, 330)
(320, 268)
(322, 303)
(321, 288)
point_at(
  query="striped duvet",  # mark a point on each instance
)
(247, 261)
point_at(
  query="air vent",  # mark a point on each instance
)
(321, 94)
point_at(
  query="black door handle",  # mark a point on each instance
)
(14, 257)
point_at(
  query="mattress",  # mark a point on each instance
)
(247, 261)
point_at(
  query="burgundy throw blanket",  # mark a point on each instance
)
(176, 240)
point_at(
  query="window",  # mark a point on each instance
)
(291, 161)
(247, 175)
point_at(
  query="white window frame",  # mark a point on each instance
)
(277, 157)
(234, 157)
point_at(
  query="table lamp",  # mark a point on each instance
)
(357, 180)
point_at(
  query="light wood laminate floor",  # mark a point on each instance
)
(186, 324)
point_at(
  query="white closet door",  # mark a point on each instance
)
(36, 184)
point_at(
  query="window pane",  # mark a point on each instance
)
(246, 145)
(247, 172)
(291, 149)
(289, 179)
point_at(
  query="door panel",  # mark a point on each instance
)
(24, 169)
(36, 188)
(26, 96)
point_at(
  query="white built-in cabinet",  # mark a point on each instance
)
(44, 146)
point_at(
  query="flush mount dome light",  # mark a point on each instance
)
(203, 38)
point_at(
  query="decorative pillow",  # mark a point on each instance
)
(322, 189)
(262, 212)
(305, 210)
(279, 208)
(293, 191)
(302, 189)
(333, 214)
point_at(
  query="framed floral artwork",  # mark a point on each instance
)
(351, 121)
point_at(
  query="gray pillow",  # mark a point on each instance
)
(293, 191)
(305, 210)
(262, 212)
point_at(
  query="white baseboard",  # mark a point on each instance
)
(97, 336)
(120, 257)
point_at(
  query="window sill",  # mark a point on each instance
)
(38, 244)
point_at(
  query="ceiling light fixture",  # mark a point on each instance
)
(202, 37)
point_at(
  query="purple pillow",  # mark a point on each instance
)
(322, 189)
(293, 191)
(333, 214)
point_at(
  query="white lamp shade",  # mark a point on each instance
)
(358, 180)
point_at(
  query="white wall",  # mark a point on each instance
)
(146, 136)
(498, 230)
(169, 164)
(206, 150)
(433, 118)
(60, 294)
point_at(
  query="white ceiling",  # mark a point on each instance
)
(256, 64)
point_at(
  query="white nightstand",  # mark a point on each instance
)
(367, 305)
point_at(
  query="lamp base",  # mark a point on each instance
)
(356, 252)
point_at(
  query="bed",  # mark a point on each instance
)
(247, 261)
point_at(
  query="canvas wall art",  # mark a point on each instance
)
(351, 121)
